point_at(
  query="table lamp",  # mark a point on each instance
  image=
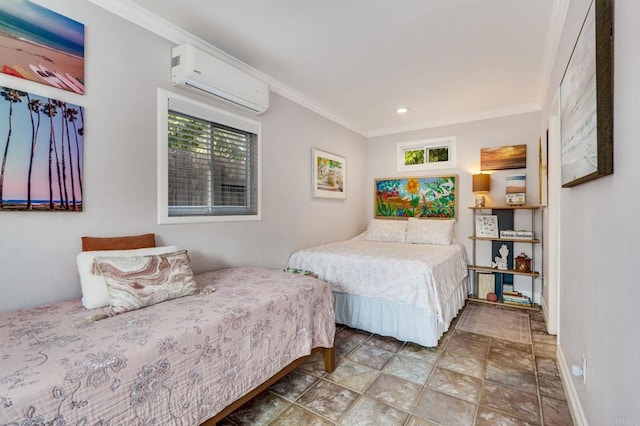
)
(481, 185)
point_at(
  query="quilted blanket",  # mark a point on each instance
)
(175, 363)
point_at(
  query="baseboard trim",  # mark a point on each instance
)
(577, 413)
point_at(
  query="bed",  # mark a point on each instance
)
(395, 281)
(180, 362)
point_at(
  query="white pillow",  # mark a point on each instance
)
(94, 287)
(430, 231)
(387, 230)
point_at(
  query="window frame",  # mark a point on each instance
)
(448, 142)
(207, 112)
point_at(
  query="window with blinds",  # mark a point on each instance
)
(212, 164)
(211, 168)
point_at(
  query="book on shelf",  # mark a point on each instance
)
(515, 298)
(528, 305)
(517, 235)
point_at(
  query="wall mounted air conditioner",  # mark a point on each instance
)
(196, 70)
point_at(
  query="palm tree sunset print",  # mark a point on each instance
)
(41, 143)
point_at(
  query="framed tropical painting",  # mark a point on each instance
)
(329, 175)
(427, 197)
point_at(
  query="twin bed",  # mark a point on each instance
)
(195, 359)
(180, 362)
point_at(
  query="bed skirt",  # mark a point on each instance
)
(402, 321)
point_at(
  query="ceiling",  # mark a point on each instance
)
(356, 61)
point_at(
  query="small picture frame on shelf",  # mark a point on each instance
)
(516, 189)
(487, 226)
(486, 285)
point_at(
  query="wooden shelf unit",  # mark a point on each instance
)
(487, 269)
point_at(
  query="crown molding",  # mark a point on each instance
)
(485, 115)
(558, 18)
(165, 29)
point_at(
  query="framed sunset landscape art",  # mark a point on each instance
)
(503, 158)
(41, 45)
(42, 146)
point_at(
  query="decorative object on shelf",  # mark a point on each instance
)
(516, 235)
(516, 189)
(486, 285)
(523, 263)
(492, 297)
(586, 100)
(501, 261)
(329, 175)
(481, 184)
(503, 158)
(487, 226)
(432, 197)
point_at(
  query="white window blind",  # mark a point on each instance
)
(212, 163)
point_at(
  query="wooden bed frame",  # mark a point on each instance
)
(328, 356)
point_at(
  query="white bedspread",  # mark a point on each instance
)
(421, 275)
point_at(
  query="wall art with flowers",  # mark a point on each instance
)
(432, 197)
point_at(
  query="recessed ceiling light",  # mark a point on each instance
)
(402, 110)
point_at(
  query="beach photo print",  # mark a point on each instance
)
(41, 45)
(41, 151)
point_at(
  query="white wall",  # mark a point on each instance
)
(599, 247)
(124, 66)
(470, 138)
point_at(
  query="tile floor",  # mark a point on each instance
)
(468, 379)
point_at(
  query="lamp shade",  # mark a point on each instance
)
(481, 183)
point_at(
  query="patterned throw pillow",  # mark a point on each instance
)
(430, 231)
(94, 287)
(387, 230)
(137, 281)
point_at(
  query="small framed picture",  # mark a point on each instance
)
(516, 189)
(487, 226)
(486, 285)
(329, 175)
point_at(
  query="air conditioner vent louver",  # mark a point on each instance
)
(199, 71)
